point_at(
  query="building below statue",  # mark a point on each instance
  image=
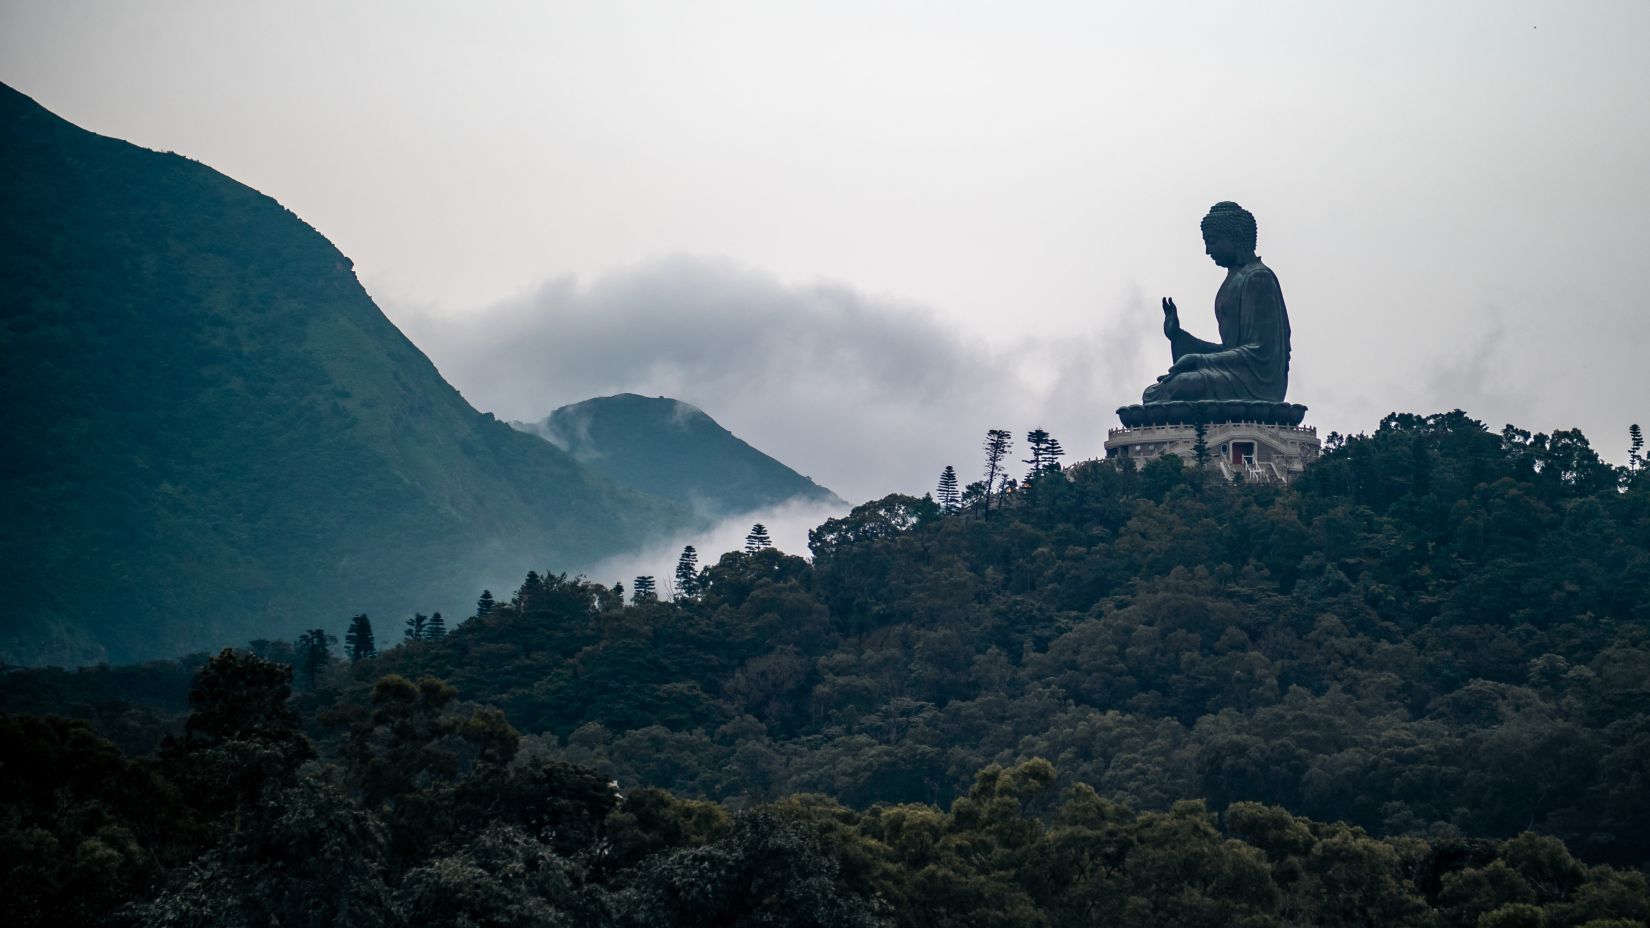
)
(1253, 444)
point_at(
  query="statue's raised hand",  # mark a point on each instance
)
(1171, 318)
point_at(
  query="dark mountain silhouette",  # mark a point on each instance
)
(213, 434)
(673, 450)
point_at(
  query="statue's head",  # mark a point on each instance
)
(1229, 234)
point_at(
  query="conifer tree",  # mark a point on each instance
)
(314, 653)
(645, 592)
(358, 640)
(687, 573)
(530, 587)
(437, 628)
(1052, 453)
(1034, 442)
(757, 539)
(998, 442)
(1200, 447)
(485, 605)
(1635, 447)
(1045, 452)
(950, 499)
(416, 626)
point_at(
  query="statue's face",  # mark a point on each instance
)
(1221, 248)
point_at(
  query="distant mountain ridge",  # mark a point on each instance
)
(213, 434)
(673, 450)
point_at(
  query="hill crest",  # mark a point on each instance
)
(673, 450)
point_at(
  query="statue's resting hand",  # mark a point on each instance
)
(1171, 318)
(1186, 362)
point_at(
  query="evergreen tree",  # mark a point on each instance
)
(1045, 453)
(417, 626)
(949, 498)
(1052, 453)
(757, 539)
(997, 445)
(1200, 447)
(1034, 443)
(618, 591)
(529, 588)
(358, 640)
(437, 628)
(973, 496)
(687, 573)
(646, 591)
(314, 653)
(1635, 447)
(485, 605)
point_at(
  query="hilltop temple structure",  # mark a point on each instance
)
(1227, 396)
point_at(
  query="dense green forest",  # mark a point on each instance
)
(1409, 689)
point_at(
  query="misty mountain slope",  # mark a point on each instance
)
(213, 434)
(671, 449)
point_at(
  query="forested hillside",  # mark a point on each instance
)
(1408, 690)
(1439, 629)
(212, 434)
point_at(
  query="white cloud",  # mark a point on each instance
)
(867, 395)
(787, 525)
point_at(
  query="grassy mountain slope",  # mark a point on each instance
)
(214, 434)
(671, 449)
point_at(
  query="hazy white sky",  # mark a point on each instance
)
(1455, 196)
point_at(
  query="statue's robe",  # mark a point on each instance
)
(1252, 360)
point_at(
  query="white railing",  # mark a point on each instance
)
(1147, 429)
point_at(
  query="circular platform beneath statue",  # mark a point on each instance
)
(1209, 412)
(1254, 451)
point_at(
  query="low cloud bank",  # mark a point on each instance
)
(865, 394)
(787, 525)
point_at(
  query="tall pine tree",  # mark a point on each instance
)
(950, 498)
(314, 653)
(645, 591)
(437, 628)
(757, 539)
(998, 442)
(1052, 453)
(687, 574)
(1045, 453)
(485, 605)
(530, 588)
(416, 626)
(358, 640)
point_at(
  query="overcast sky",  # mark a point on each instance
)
(860, 234)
